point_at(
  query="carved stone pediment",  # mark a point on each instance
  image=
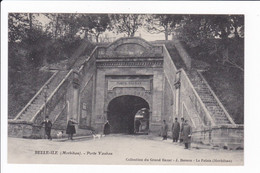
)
(130, 47)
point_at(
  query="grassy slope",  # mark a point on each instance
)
(24, 79)
(229, 87)
(22, 87)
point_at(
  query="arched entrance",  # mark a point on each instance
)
(121, 113)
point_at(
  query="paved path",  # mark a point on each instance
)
(116, 149)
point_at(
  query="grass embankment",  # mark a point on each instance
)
(24, 62)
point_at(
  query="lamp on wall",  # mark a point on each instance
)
(177, 84)
(76, 81)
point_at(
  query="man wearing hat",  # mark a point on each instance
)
(175, 130)
(70, 130)
(181, 130)
(164, 130)
(47, 123)
(187, 131)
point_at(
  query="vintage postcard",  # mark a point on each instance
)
(108, 87)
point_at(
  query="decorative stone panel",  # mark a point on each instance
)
(130, 47)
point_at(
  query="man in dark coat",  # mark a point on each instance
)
(47, 123)
(175, 130)
(164, 130)
(70, 130)
(106, 130)
(137, 125)
(187, 131)
(181, 130)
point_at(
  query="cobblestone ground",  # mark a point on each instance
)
(117, 149)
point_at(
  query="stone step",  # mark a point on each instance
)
(215, 112)
(204, 92)
(39, 100)
(220, 118)
(37, 104)
(221, 112)
(220, 115)
(209, 104)
(223, 122)
(216, 107)
(200, 85)
(207, 96)
(209, 100)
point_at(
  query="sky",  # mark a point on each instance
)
(141, 32)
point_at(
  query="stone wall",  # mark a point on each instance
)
(61, 120)
(225, 136)
(101, 101)
(19, 129)
(169, 112)
(195, 112)
(182, 52)
(86, 97)
(191, 108)
(86, 92)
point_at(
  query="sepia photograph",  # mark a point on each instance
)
(125, 88)
(118, 86)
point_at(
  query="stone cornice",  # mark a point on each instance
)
(154, 63)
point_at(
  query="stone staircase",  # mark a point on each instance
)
(38, 101)
(211, 102)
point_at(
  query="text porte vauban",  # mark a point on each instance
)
(123, 83)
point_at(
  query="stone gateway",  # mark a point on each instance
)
(120, 79)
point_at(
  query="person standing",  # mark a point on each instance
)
(175, 130)
(181, 130)
(47, 123)
(164, 130)
(137, 125)
(187, 131)
(106, 129)
(70, 130)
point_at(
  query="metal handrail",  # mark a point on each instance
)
(66, 77)
(39, 91)
(218, 101)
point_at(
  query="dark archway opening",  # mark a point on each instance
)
(121, 113)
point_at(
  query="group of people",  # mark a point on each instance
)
(70, 130)
(180, 132)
